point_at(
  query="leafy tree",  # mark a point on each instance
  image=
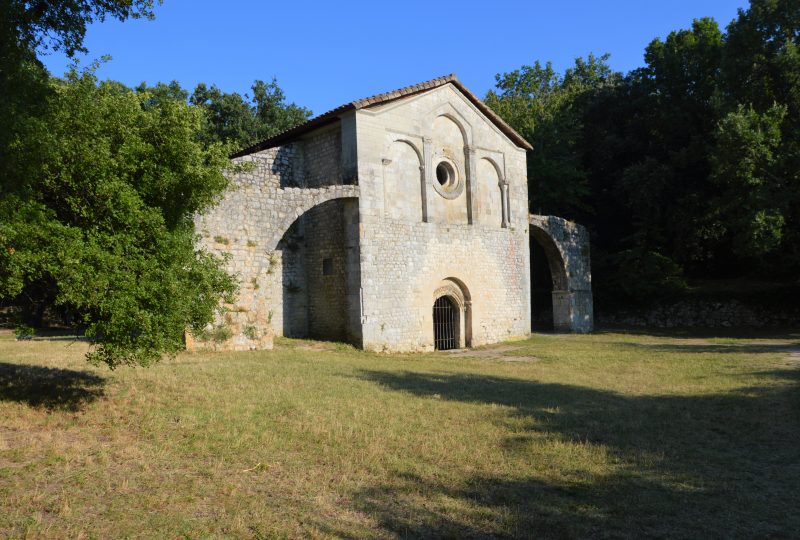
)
(98, 188)
(689, 164)
(665, 180)
(61, 24)
(245, 120)
(761, 74)
(161, 92)
(96, 218)
(548, 109)
(28, 27)
(746, 160)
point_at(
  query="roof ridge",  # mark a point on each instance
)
(384, 97)
(404, 91)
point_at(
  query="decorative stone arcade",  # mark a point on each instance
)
(566, 245)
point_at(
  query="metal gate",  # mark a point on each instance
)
(445, 322)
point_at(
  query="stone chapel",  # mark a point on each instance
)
(397, 222)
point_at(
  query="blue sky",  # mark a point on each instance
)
(326, 54)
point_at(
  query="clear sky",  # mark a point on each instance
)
(328, 53)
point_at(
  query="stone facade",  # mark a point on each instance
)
(350, 227)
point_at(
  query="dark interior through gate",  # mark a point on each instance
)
(445, 324)
(541, 289)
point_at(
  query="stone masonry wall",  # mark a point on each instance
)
(410, 254)
(322, 154)
(405, 263)
(703, 314)
(327, 294)
(289, 284)
(263, 202)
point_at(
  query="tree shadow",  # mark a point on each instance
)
(746, 348)
(49, 388)
(703, 333)
(684, 466)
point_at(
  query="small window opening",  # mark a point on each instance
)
(327, 267)
(442, 174)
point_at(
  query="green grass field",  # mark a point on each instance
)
(605, 435)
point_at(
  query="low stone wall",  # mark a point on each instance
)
(702, 314)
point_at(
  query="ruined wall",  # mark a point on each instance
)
(566, 245)
(250, 222)
(417, 233)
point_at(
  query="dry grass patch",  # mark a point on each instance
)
(604, 435)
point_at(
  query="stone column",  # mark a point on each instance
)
(424, 187)
(507, 202)
(503, 201)
(470, 167)
(425, 173)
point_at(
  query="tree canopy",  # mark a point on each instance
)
(245, 120)
(61, 24)
(99, 225)
(100, 183)
(686, 167)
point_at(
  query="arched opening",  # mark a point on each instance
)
(548, 280)
(316, 274)
(488, 203)
(403, 183)
(449, 175)
(452, 315)
(445, 324)
(541, 290)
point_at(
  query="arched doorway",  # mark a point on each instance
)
(452, 315)
(445, 324)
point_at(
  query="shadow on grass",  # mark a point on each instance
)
(50, 388)
(737, 348)
(695, 332)
(679, 466)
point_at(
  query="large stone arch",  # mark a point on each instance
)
(315, 273)
(448, 111)
(294, 202)
(566, 246)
